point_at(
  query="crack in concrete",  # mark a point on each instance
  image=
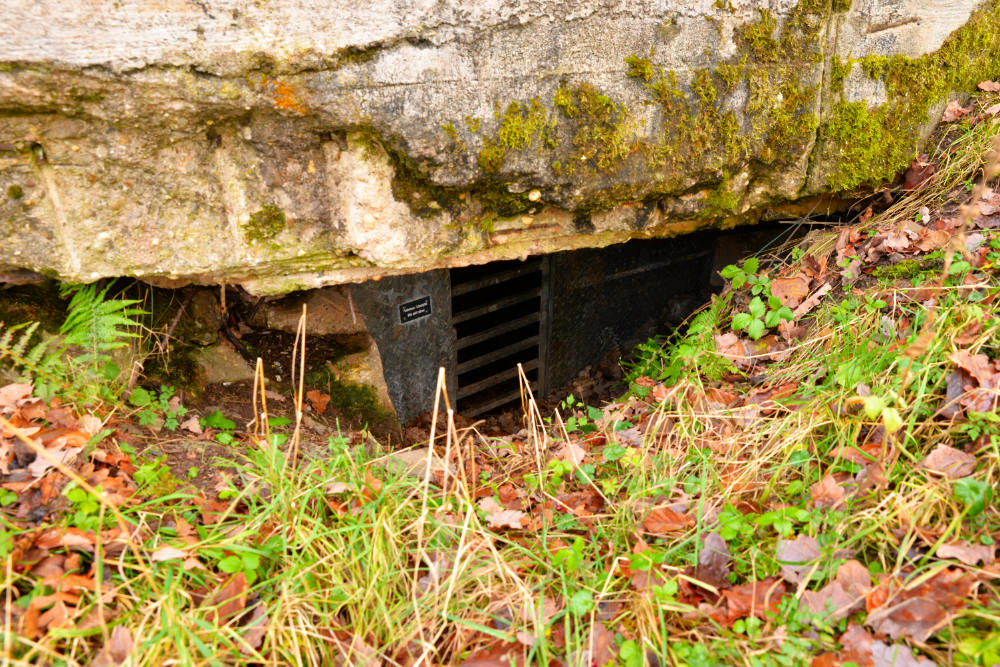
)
(62, 224)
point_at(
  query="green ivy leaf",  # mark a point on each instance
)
(751, 265)
(757, 307)
(756, 329)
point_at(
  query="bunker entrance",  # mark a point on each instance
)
(553, 314)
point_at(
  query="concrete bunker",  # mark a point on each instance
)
(554, 314)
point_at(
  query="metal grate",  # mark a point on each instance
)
(498, 318)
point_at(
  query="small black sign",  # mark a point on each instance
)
(414, 310)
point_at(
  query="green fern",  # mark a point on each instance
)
(98, 325)
(75, 362)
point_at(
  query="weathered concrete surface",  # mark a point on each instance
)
(286, 144)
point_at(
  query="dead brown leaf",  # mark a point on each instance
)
(498, 517)
(753, 599)
(827, 493)
(167, 553)
(981, 398)
(12, 394)
(955, 111)
(918, 610)
(920, 170)
(318, 400)
(255, 630)
(949, 461)
(790, 290)
(713, 561)
(842, 596)
(230, 599)
(813, 300)
(796, 557)
(970, 554)
(933, 239)
(665, 520)
(356, 652)
(989, 86)
(41, 465)
(502, 655)
(861, 648)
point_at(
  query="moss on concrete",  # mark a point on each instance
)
(456, 140)
(264, 224)
(701, 139)
(603, 130)
(357, 402)
(522, 125)
(14, 191)
(870, 145)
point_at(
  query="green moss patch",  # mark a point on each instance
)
(870, 145)
(522, 125)
(265, 224)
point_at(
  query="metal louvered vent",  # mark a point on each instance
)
(498, 314)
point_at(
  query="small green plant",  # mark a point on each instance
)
(154, 407)
(580, 603)
(248, 563)
(740, 276)
(764, 311)
(85, 507)
(580, 422)
(223, 425)
(7, 497)
(761, 316)
(690, 349)
(154, 477)
(569, 557)
(981, 424)
(975, 494)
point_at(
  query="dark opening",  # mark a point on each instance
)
(497, 314)
(559, 313)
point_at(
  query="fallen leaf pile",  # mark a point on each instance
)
(45, 452)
